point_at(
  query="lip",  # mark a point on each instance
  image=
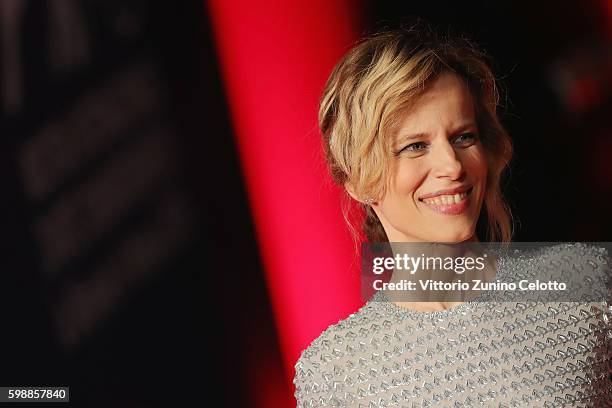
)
(456, 190)
(450, 209)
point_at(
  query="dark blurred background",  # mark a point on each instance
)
(123, 195)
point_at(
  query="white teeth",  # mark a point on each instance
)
(446, 199)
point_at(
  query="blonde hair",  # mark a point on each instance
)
(366, 94)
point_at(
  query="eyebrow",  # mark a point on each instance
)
(404, 138)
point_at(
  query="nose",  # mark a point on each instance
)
(446, 162)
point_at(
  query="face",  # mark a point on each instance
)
(438, 169)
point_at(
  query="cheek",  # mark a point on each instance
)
(476, 163)
(407, 179)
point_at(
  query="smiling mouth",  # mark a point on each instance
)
(447, 199)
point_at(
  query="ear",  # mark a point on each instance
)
(351, 191)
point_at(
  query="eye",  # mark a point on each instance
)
(466, 139)
(414, 147)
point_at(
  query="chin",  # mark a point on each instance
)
(454, 237)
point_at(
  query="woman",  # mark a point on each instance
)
(411, 132)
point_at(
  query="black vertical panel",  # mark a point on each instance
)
(130, 266)
(238, 328)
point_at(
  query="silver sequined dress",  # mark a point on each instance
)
(477, 354)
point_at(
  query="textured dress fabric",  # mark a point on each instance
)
(477, 354)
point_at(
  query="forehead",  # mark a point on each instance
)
(446, 105)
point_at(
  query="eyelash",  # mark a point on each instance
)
(472, 137)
